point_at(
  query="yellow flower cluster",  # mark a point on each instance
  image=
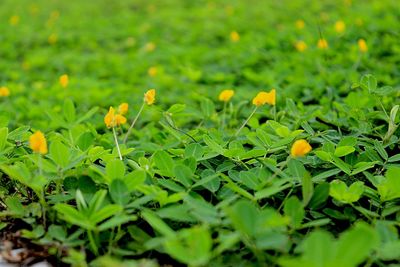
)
(263, 98)
(38, 143)
(235, 37)
(4, 91)
(322, 43)
(226, 95)
(113, 119)
(150, 97)
(64, 80)
(300, 148)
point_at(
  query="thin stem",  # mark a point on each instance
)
(133, 123)
(40, 164)
(223, 116)
(246, 121)
(116, 143)
(274, 110)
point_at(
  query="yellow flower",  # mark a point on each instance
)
(64, 80)
(123, 108)
(111, 119)
(300, 24)
(362, 45)
(300, 148)
(152, 71)
(52, 38)
(340, 27)
(4, 91)
(265, 98)
(149, 47)
(38, 142)
(14, 20)
(300, 46)
(235, 37)
(322, 44)
(226, 95)
(150, 96)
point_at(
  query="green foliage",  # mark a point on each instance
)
(191, 189)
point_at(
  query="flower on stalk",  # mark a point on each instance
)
(362, 45)
(4, 91)
(111, 119)
(300, 46)
(38, 143)
(300, 148)
(150, 47)
(322, 43)
(14, 20)
(150, 96)
(263, 98)
(64, 80)
(226, 95)
(340, 27)
(300, 24)
(235, 37)
(152, 71)
(123, 108)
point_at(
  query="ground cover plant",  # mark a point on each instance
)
(200, 133)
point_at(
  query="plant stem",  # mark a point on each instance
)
(223, 116)
(133, 123)
(116, 143)
(246, 121)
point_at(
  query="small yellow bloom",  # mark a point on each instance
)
(300, 24)
(111, 119)
(265, 98)
(226, 95)
(52, 38)
(362, 45)
(123, 108)
(64, 80)
(149, 47)
(38, 142)
(4, 91)
(300, 148)
(150, 96)
(322, 43)
(300, 46)
(14, 20)
(235, 37)
(340, 27)
(152, 71)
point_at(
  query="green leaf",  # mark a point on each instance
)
(191, 246)
(183, 174)
(243, 215)
(164, 163)
(119, 192)
(355, 245)
(59, 153)
(390, 188)
(341, 151)
(157, 224)
(3, 138)
(194, 150)
(69, 111)
(381, 150)
(294, 209)
(73, 216)
(214, 146)
(307, 189)
(321, 194)
(115, 169)
(340, 191)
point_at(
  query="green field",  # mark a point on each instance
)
(200, 179)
